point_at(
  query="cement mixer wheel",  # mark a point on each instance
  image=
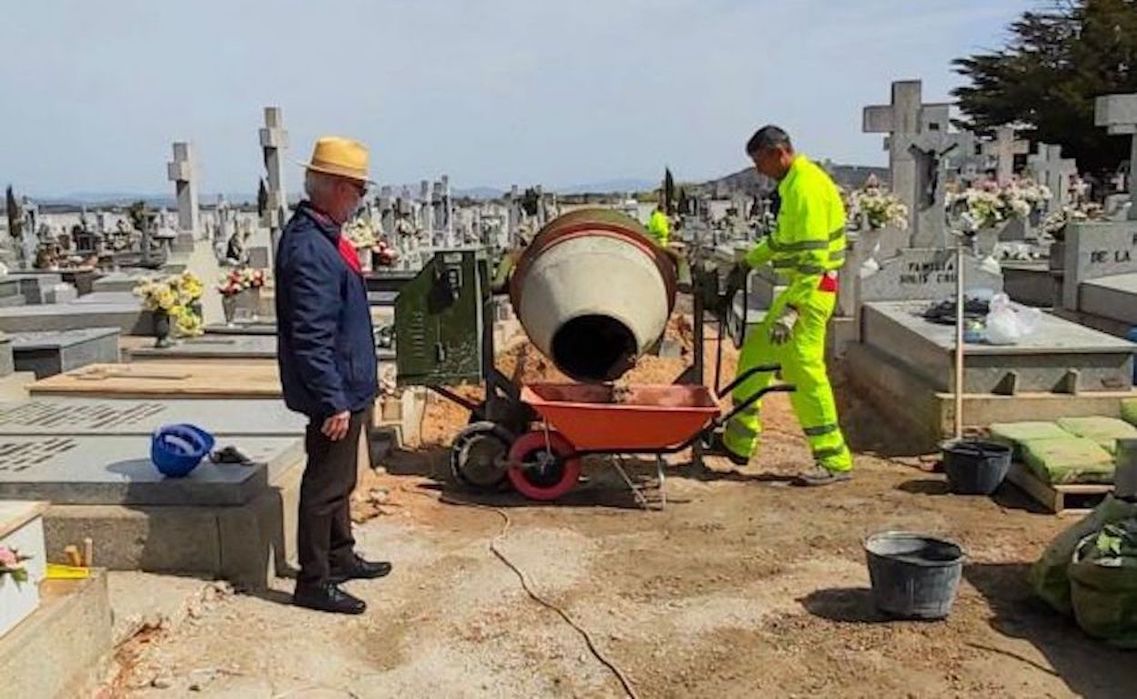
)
(535, 472)
(479, 456)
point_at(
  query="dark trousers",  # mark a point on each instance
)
(324, 538)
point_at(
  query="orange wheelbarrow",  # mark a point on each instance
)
(581, 420)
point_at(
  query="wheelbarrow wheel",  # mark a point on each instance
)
(478, 456)
(535, 469)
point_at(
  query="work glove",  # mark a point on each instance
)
(783, 328)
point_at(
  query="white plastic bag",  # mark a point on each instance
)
(1007, 325)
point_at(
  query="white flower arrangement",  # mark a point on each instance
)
(877, 209)
(989, 204)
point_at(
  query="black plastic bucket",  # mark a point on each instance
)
(975, 467)
(913, 576)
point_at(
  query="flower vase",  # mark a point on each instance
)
(229, 307)
(248, 303)
(162, 330)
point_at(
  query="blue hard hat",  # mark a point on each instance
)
(178, 449)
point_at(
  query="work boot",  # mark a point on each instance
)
(820, 475)
(718, 447)
(359, 569)
(327, 598)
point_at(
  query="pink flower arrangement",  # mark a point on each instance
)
(240, 279)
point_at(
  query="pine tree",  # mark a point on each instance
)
(1056, 62)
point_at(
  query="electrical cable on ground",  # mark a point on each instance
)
(623, 678)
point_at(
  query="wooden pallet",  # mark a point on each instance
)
(1074, 500)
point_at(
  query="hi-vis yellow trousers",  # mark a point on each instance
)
(802, 359)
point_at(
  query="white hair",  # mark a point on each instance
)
(318, 185)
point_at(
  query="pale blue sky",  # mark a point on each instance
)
(491, 91)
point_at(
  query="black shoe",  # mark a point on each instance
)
(360, 569)
(327, 598)
(821, 476)
(718, 447)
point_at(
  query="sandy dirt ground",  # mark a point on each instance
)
(743, 586)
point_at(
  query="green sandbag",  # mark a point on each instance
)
(1068, 460)
(1129, 410)
(1048, 576)
(1103, 584)
(1103, 430)
(1013, 434)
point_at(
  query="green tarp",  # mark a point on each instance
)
(1013, 434)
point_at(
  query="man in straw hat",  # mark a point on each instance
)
(326, 352)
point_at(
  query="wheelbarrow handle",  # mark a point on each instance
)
(751, 400)
(746, 375)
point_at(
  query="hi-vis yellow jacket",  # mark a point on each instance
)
(810, 236)
(659, 228)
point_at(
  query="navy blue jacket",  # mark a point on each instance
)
(325, 343)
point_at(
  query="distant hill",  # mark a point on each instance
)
(750, 183)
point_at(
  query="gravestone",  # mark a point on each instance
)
(121, 418)
(274, 143)
(47, 353)
(128, 316)
(1100, 270)
(1053, 171)
(1118, 114)
(117, 470)
(259, 257)
(11, 292)
(924, 275)
(181, 171)
(1004, 148)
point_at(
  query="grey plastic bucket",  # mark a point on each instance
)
(914, 576)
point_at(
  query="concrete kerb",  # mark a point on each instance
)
(64, 647)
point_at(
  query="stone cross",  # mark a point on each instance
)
(1053, 171)
(274, 143)
(447, 205)
(426, 212)
(906, 115)
(182, 173)
(513, 204)
(1118, 113)
(386, 211)
(1004, 149)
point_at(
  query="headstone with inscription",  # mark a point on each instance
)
(1100, 270)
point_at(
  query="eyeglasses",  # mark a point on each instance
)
(359, 187)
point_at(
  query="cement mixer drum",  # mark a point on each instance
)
(593, 293)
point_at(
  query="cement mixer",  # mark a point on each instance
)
(593, 293)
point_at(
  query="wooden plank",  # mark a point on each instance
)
(165, 379)
(1053, 497)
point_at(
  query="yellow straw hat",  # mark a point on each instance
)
(341, 157)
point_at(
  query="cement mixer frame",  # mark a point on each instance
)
(444, 333)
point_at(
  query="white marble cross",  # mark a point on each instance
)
(1004, 149)
(1118, 113)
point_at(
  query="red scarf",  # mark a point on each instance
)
(349, 255)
